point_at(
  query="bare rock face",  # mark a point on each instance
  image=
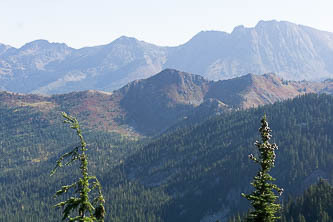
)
(294, 52)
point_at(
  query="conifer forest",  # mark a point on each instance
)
(184, 174)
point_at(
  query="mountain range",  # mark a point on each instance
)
(171, 146)
(150, 106)
(293, 52)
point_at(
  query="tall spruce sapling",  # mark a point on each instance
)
(80, 203)
(263, 198)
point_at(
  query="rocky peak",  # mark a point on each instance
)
(170, 84)
(4, 48)
(177, 77)
(208, 37)
(269, 23)
(238, 29)
(43, 45)
(125, 40)
(39, 43)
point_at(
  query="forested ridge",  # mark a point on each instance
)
(208, 163)
(30, 143)
(315, 205)
(184, 175)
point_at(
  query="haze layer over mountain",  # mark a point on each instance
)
(294, 52)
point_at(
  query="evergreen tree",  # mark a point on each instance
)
(263, 199)
(88, 211)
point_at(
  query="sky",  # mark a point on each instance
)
(81, 23)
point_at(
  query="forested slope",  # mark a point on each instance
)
(206, 167)
(194, 173)
(30, 142)
(315, 205)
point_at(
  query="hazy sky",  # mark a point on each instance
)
(81, 23)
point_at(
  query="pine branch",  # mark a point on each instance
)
(87, 210)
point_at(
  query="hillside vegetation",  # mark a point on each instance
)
(194, 173)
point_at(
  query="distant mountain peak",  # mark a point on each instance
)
(36, 43)
(263, 24)
(125, 40)
(209, 35)
(266, 22)
(238, 28)
(42, 44)
(176, 76)
(171, 72)
(168, 71)
(4, 45)
(292, 51)
(4, 48)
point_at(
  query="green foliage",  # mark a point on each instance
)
(315, 205)
(180, 176)
(88, 211)
(263, 199)
(31, 141)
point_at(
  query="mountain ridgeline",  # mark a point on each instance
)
(193, 173)
(294, 52)
(150, 106)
